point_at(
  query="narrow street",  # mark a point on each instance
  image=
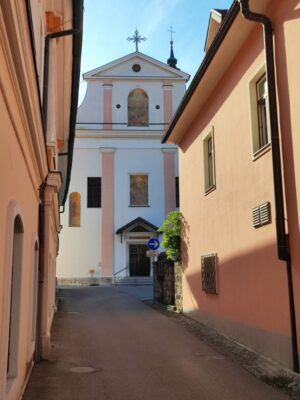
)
(108, 344)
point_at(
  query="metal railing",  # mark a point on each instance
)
(118, 272)
(111, 124)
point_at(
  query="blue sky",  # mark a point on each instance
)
(108, 23)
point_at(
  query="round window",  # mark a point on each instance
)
(136, 67)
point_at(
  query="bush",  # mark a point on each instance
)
(171, 230)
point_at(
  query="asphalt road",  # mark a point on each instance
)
(109, 345)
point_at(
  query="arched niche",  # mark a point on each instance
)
(138, 108)
(74, 209)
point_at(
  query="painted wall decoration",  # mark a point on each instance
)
(138, 110)
(138, 190)
(74, 209)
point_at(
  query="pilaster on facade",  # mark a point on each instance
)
(107, 105)
(169, 179)
(107, 228)
(168, 102)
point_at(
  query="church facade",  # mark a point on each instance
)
(124, 180)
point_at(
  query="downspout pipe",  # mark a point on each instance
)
(282, 238)
(50, 36)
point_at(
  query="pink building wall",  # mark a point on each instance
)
(107, 227)
(252, 300)
(107, 106)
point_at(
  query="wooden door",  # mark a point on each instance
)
(139, 263)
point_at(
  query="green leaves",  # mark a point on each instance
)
(171, 230)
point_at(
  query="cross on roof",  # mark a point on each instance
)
(171, 30)
(136, 38)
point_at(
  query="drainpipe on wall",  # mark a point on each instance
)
(46, 70)
(282, 238)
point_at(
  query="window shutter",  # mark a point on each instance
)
(261, 215)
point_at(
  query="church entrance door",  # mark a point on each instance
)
(139, 263)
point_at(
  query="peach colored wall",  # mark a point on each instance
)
(168, 104)
(286, 23)
(107, 190)
(107, 106)
(18, 188)
(23, 166)
(169, 177)
(252, 284)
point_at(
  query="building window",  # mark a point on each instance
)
(177, 191)
(138, 108)
(15, 299)
(208, 272)
(139, 190)
(261, 96)
(94, 192)
(74, 209)
(259, 112)
(209, 162)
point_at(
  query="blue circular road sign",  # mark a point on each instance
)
(153, 244)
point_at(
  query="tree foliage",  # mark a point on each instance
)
(171, 230)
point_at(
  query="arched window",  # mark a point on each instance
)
(138, 109)
(74, 209)
(15, 299)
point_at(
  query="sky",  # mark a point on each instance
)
(108, 24)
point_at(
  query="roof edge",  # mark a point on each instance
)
(181, 74)
(136, 221)
(228, 20)
(78, 8)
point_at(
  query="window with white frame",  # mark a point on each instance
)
(139, 195)
(261, 97)
(259, 112)
(209, 162)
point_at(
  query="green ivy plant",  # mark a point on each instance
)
(171, 230)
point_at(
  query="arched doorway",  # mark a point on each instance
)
(15, 299)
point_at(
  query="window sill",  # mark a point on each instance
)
(209, 190)
(261, 152)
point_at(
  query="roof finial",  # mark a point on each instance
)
(172, 61)
(136, 38)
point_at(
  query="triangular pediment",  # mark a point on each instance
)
(145, 68)
(137, 225)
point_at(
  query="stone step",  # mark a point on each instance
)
(133, 280)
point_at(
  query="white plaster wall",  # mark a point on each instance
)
(80, 246)
(91, 108)
(120, 92)
(179, 89)
(127, 161)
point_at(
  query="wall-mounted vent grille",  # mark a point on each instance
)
(261, 215)
(208, 270)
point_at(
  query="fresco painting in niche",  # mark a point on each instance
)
(138, 114)
(138, 190)
(74, 209)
